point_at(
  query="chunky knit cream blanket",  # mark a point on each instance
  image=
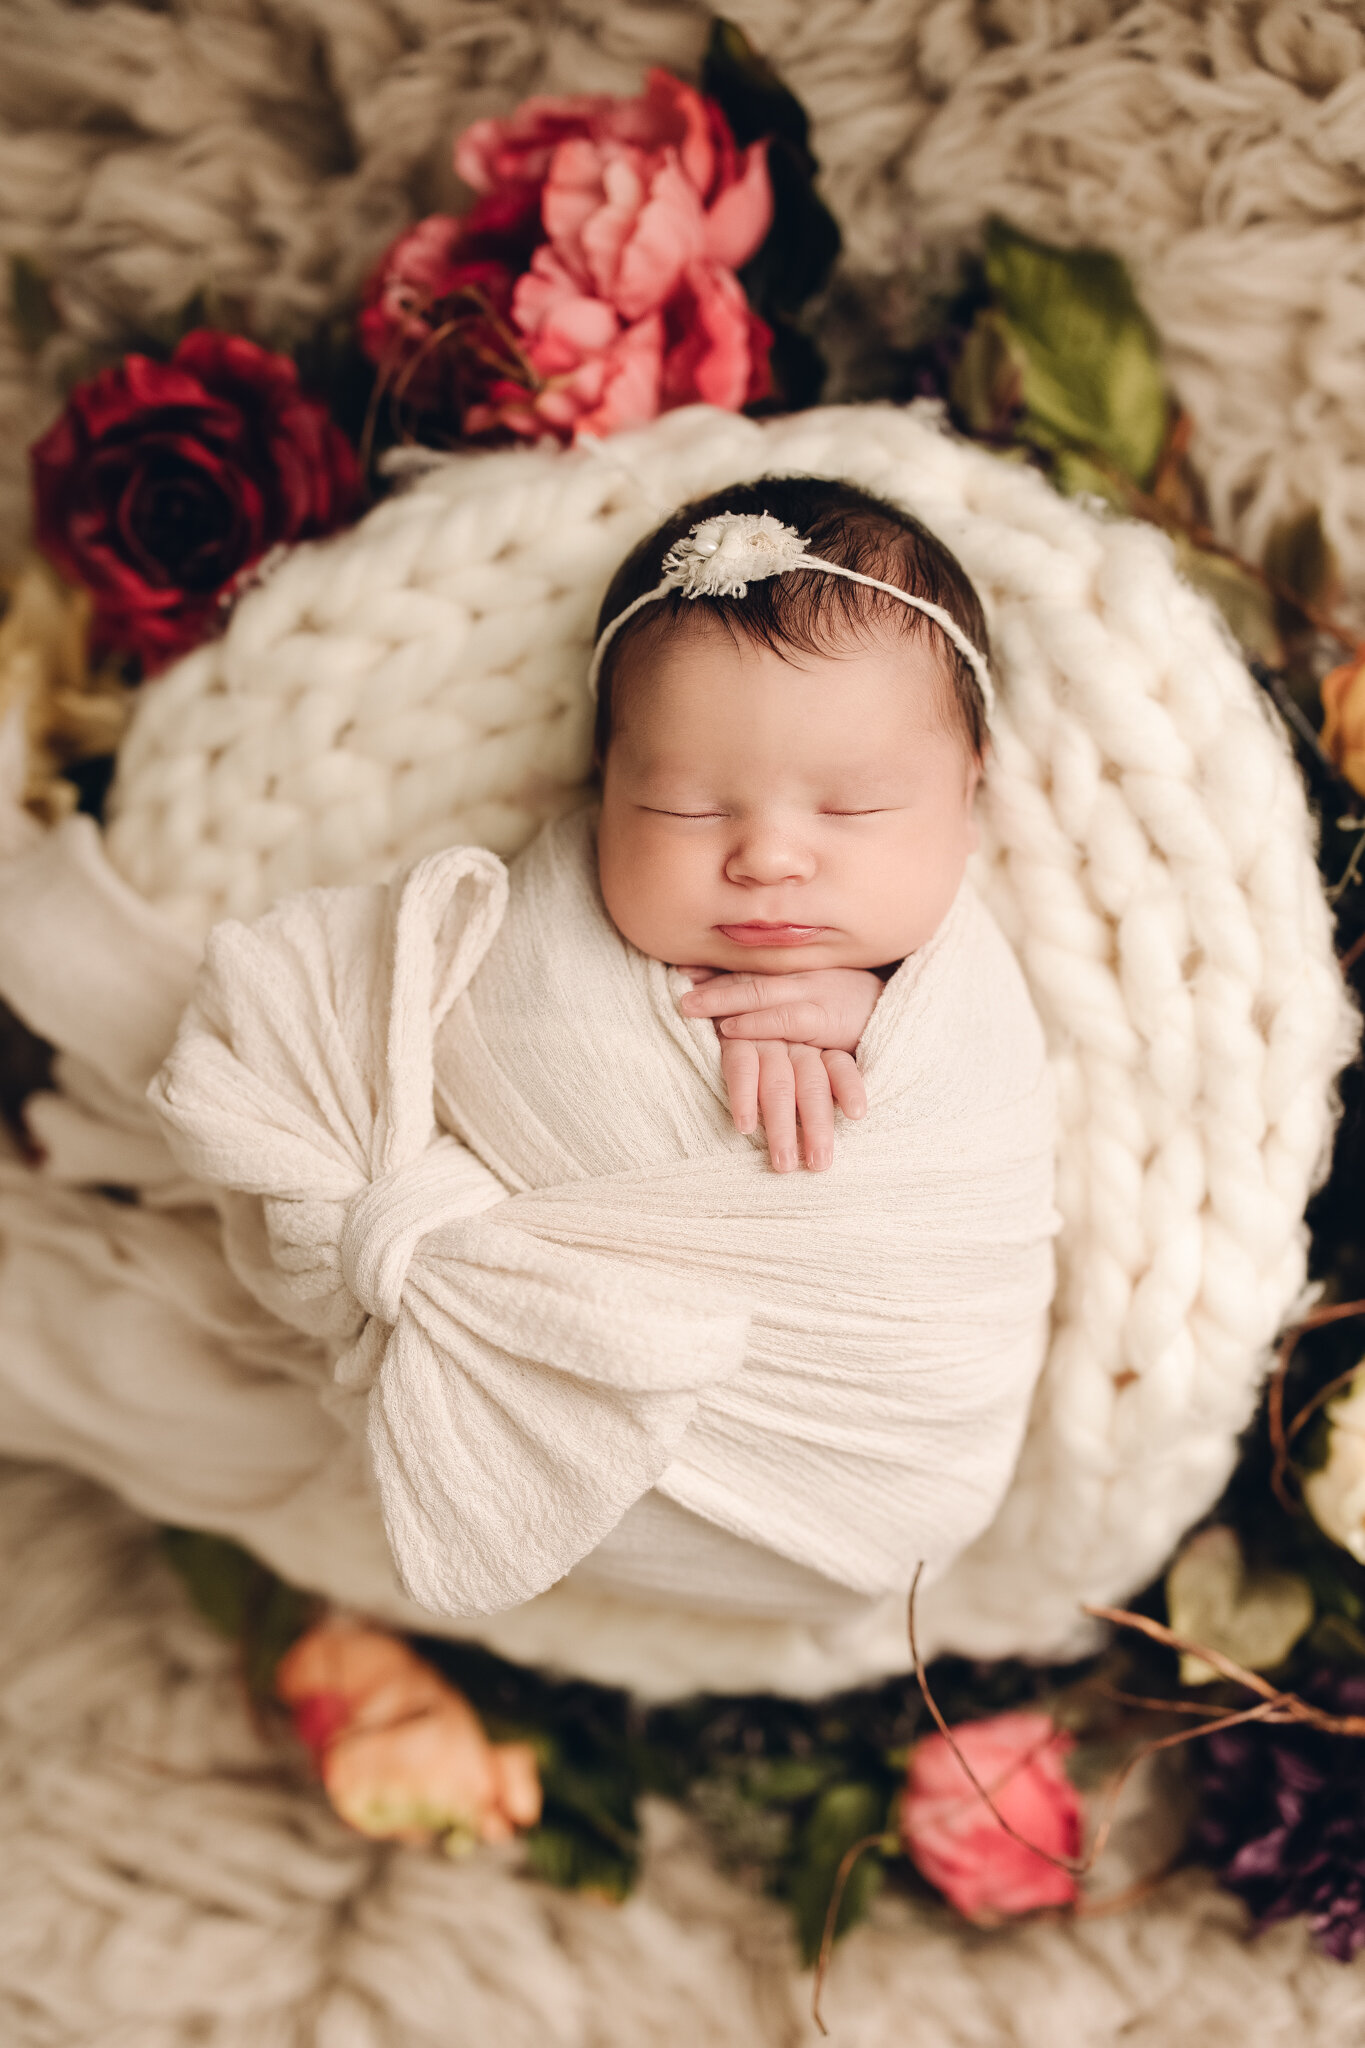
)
(600, 1287)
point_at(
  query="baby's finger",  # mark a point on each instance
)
(850, 1090)
(798, 1023)
(815, 1102)
(724, 993)
(777, 1101)
(739, 1065)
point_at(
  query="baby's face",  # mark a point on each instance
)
(828, 800)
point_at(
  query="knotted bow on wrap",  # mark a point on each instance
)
(519, 1395)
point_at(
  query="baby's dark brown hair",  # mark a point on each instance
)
(807, 611)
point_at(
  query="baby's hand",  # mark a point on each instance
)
(821, 1016)
(827, 1007)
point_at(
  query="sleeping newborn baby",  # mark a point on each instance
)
(493, 1132)
(787, 786)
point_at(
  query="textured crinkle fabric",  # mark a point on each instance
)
(599, 1286)
(1147, 850)
(265, 151)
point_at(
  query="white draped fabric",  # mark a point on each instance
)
(598, 1287)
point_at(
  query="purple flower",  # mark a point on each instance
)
(1282, 1818)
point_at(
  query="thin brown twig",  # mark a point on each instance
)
(1273, 1707)
(1203, 1708)
(1280, 1435)
(1292, 1707)
(1120, 1902)
(836, 1899)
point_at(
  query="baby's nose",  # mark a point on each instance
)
(770, 859)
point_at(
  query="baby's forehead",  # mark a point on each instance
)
(698, 671)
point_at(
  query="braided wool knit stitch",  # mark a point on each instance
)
(1146, 848)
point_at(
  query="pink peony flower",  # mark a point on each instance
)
(955, 1841)
(623, 222)
(402, 1755)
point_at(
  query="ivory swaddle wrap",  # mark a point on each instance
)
(590, 1288)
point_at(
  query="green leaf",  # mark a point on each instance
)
(784, 1780)
(1215, 1599)
(1092, 375)
(574, 1858)
(1246, 604)
(843, 1815)
(241, 1598)
(31, 305)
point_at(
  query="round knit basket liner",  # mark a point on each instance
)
(1146, 846)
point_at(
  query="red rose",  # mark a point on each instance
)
(162, 481)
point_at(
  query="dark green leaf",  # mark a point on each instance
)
(843, 1815)
(1092, 375)
(1301, 559)
(751, 95)
(987, 383)
(600, 1795)
(798, 252)
(566, 1854)
(798, 369)
(787, 1779)
(800, 247)
(32, 309)
(1338, 1640)
(241, 1598)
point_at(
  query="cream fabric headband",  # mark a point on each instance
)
(721, 557)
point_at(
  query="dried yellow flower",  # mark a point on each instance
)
(53, 708)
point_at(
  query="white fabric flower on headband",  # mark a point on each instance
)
(722, 557)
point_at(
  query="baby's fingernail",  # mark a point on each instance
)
(726, 1023)
(784, 1161)
(860, 1110)
(820, 1160)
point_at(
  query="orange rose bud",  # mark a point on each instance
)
(1343, 725)
(402, 1755)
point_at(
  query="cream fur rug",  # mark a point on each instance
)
(270, 148)
(154, 1892)
(162, 1886)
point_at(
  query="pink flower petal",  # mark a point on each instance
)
(669, 234)
(607, 231)
(711, 357)
(739, 219)
(519, 147)
(959, 1845)
(630, 395)
(684, 121)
